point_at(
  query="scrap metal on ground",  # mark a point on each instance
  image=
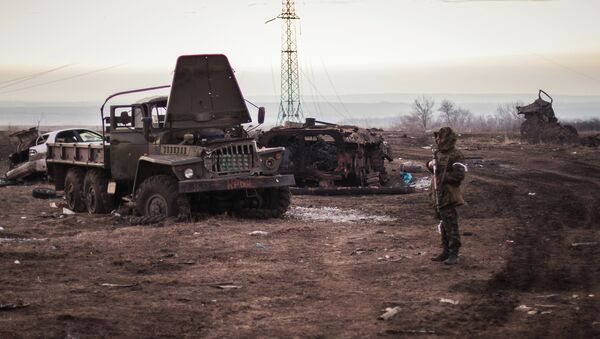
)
(541, 125)
(19, 164)
(329, 156)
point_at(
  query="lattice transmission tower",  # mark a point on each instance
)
(290, 107)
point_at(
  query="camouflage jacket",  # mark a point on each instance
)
(449, 174)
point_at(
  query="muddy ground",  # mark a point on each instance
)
(330, 267)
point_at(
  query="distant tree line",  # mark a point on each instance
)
(424, 116)
(584, 125)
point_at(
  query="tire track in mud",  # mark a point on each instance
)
(542, 261)
(491, 195)
(545, 220)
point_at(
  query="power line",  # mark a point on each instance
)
(334, 90)
(19, 80)
(323, 97)
(61, 79)
(556, 63)
(312, 92)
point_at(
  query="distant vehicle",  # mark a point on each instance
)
(30, 157)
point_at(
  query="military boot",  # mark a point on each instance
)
(442, 256)
(445, 245)
(452, 259)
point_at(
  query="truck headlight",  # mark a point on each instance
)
(188, 173)
(270, 163)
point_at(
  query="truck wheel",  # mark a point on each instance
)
(96, 197)
(275, 202)
(158, 196)
(74, 189)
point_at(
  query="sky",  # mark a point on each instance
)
(81, 50)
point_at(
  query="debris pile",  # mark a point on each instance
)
(541, 125)
(326, 155)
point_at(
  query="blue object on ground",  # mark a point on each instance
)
(406, 177)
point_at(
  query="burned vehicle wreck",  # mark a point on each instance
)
(20, 164)
(541, 125)
(29, 160)
(326, 155)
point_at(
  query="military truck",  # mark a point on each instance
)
(174, 155)
(326, 155)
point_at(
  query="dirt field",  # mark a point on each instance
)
(330, 267)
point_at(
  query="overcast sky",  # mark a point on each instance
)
(345, 46)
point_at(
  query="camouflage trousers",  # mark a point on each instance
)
(449, 229)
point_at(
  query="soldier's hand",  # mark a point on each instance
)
(430, 164)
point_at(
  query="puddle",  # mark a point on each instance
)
(334, 214)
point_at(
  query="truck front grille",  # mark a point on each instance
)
(174, 149)
(233, 159)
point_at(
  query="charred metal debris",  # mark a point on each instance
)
(541, 125)
(325, 155)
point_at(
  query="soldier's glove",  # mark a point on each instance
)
(430, 164)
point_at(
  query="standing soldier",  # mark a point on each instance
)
(448, 173)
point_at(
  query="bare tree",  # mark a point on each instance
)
(455, 116)
(422, 110)
(507, 117)
(462, 119)
(447, 108)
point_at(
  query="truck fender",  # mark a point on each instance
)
(146, 169)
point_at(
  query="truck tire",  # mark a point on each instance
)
(74, 189)
(96, 197)
(158, 196)
(276, 202)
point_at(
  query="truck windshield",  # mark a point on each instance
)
(158, 116)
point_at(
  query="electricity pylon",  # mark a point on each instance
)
(290, 108)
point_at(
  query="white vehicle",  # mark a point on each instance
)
(33, 159)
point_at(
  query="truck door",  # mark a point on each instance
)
(127, 142)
